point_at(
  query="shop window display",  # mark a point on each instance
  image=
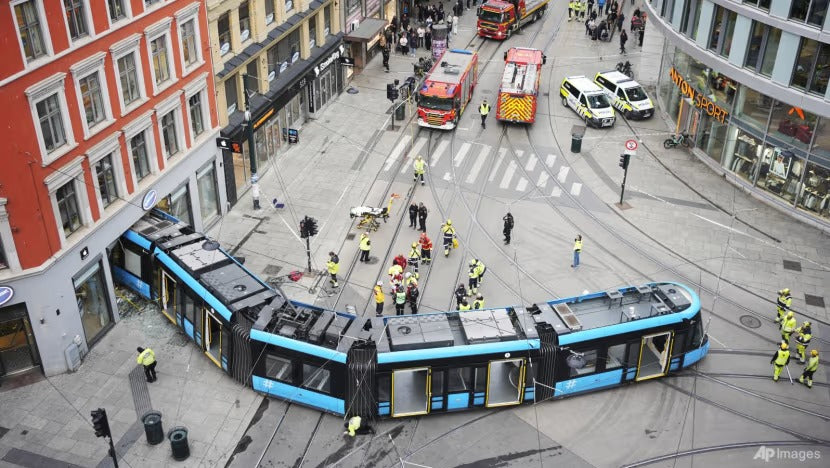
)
(93, 302)
(780, 171)
(792, 125)
(743, 153)
(753, 107)
(712, 139)
(815, 193)
(821, 140)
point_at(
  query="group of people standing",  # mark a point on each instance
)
(608, 15)
(789, 325)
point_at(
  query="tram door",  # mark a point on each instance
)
(213, 337)
(505, 382)
(654, 355)
(168, 296)
(411, 391)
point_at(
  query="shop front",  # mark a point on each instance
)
(18, 350)
(777, 150)
(364, 42)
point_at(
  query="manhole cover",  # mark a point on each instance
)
(815, 301)
(792, 266)
(750, 321)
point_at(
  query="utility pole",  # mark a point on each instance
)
(249, 124)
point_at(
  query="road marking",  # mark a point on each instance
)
(522, 185)
(396, 152)
(439, 150)
(543, 180)
(519, 153)
(508, 174)
(416, 150)
(556, 192)
(563, 173)
(531, 163)
(462, 153)
(551, 159)
(576, 188)
(495, 170)
(482, 156)
(447, 176)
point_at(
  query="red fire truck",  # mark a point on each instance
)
(447, 89)
(498, 19)
(518, 93)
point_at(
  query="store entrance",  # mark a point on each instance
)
(18, 351)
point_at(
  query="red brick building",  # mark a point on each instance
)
(108, 109)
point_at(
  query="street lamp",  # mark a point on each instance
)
(251, 146)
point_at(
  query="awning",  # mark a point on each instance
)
(368, 29)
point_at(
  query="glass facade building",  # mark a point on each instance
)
(748, 81)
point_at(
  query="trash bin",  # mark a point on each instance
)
(577, 132)
(152, 427)
(400, 112)
(178, 442)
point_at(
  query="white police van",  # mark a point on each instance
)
(625, 94)
(588, 100)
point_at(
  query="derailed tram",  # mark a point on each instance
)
(411, 365)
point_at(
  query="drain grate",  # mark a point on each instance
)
(272, 269)
(815, 301)
(350, 236)
(750, 321)
(792, 266)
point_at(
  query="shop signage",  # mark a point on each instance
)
(264, 118)
(325, 63)
(348, 61)
(149, 200)
(6, 294)
(699, 99)
(293, 135)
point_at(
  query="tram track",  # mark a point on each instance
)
(720, 448)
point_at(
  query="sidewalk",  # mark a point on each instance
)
(48, 424)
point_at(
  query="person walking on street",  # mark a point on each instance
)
(508, 226)
(419, 166)
(449, 237)
(413, 215)
(353, 426)
(620, 21)
(810, 369)
(365, 246)
(640, 33)
(400, 300)
(385, 52)
(426, 247)
(623, 39)
(577, 250)
(571, 6)
(480, 269)
(484, 109)
(460, 295)
(333, 266)
(422, 217)
(473, 273)
(788, 326)
(412, 294)
(147, 358)
(785, 301)
(780, 359)
(414, 259)
(379, 298)
(805, 335)
(478, 304)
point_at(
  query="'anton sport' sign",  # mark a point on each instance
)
(700, 100)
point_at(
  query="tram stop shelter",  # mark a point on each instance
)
(363, 41)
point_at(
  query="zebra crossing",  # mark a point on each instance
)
(534, 171)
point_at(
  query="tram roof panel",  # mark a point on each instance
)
(232, 283)
(196, 258)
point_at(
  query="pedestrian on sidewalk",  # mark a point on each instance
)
(600, 6)
(571, 8)
(365, 246)
(420, 36)
(422, 217)
(385, 52)
(147, 358)
(484, 109)
(620, 21)
(333, 266)
(577, 250)
(419, 167)
(623, 39)
(379, 298)
(426, 248)
(508, 226)
(400, 300)
(413, 215)
(640, 33)
(403, 42)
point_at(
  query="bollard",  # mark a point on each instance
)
(400, 112)
(152, 427)
(178, 443)
(577, 132)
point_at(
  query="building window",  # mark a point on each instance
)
(720, 40)
(197, 123)
(244, 22)
(68, 208)
(51, 123)
(312, 32)
(818, 10)
(141, 159)
(3, 262)
(177, 204)
(76, 18)
(289, 5)
(770, 50)
(161, 62)
(92, 99)
(327, 20)
(352, 6)
(106, 180)
(170, 139)
(190, 51)
(726, 44)
(116, 10)
(273, 62)
(269, 11)
(798, 9)
(28, 27)
(762, 4)
(818, 83)
(208, 198)
(128, 75)
(756, 39)
(231, 94)
(224, 27)
(93, 301)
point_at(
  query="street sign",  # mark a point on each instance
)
(293, 135)
(223, 143)
(631, 145)
(348, 61)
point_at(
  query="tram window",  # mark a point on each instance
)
(316, 378)
(384, 384)
(697, 333)
(279, 368)
(530, 373)
(437, 382)
(633, 356)
(679, 346)
(189, 306)
(590, 364)
(616, 356)
(481, 380)
(132, 262)
(458, 380)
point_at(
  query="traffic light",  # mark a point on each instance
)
(624, 160)
(303, 229)
(391, 92)
(308, 227)
(100, 423)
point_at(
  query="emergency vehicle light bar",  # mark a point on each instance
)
(461, 51)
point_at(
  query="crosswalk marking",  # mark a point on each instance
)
(519, 153)
(556, 192)
(439, 150)
(522, 185)
(462, 153)
(508, 174)
(551, 159)
(396, 152)
(416, 150)
(563, 173)
(485, 151)
(576, 188)
(447, 176)
(531, 162)
(495, 170)
(543, 180)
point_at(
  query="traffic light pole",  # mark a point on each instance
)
(308, 252)
(622, 191)
(112, 453)
(251, 146)
(625, 161)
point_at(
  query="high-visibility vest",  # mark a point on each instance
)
(812, 364)
(449, 232)
(395, 270)
(473, 272)
(478, 304)
(789, 325)
(464, 307)
(484, 109)
(782, 358)
(414, 255)
(379, 298)
(354, 425)
(364, 243)
(400, 297)
(146, 357)
(419, 164)
(804, 337)
(333, 266)
(785, 301)
(578, 246)
(480, 268)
